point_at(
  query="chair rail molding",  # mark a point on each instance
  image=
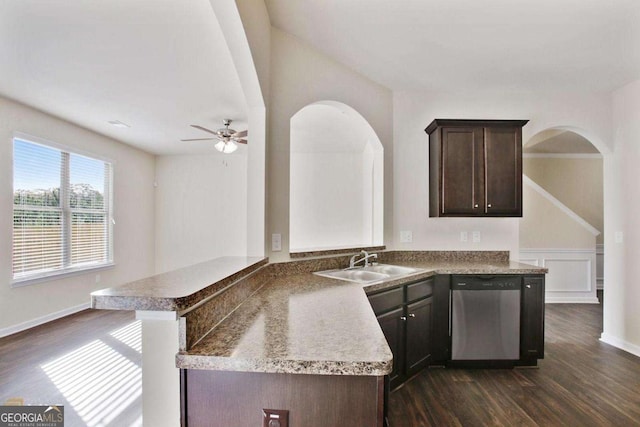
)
(572, 273)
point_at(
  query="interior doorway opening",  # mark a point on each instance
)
(562, 227)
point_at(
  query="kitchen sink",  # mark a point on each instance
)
(369, 274)
(391, 270)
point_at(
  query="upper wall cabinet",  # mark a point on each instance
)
(475, 168)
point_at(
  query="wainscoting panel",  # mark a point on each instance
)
(600, 266)
(572, 273)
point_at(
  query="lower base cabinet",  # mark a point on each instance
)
(405, 316)
(419, 324)
(415, 319)
(393, 328)
(532, 319)
(217, 398)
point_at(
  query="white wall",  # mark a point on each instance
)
(326, 207)
(133, 211)
(300, 76)
(201, 208)
(621, 215)
(368, 197)
(414, 110)
(247, 31)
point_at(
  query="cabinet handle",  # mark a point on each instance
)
(475, 206)
(403, 317)
(412, 315)
(527, 286)
(489, 205)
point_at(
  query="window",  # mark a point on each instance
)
(61, 211)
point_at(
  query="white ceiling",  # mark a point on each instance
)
(529, 45)
(156, 65)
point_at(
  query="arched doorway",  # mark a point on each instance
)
(562, 227)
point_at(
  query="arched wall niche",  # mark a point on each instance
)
(336, 179)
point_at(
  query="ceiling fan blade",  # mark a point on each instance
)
(240, 134)
(204, 129)
(197, 139)
(241, 141)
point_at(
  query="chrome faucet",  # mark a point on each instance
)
(365, 258)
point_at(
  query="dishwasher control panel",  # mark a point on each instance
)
(476, 283)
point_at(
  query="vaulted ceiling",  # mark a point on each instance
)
(495, 45)
(160, 65)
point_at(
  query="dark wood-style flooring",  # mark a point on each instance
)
(581, 381)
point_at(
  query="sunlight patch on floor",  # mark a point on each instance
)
(99, 382)
(130, 335)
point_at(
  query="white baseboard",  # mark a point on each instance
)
(621, 344)
(43, 319)
(569, 300)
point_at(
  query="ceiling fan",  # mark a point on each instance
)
(228, 138)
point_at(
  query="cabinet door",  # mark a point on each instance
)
(532, 321)
(462, 171)
(440, 347)
(393, 327)
(503, 171)
(419, 324)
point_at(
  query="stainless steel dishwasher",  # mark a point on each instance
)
(485, 317)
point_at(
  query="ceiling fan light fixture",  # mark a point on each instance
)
(226, 147)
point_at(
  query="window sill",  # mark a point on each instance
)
(60, 274)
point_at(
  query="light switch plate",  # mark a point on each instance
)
(464, 236)
(276, 242)
(618, 236)
(406, 237)
(476, 237)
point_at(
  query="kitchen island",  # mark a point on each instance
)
(293, 337)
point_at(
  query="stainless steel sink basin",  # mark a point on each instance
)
(356, 275)
(369, 274)
(391, 270)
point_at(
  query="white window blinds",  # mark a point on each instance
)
(61, 211)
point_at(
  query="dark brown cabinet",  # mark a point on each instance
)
(419, 327)
(532, 319)
(475, 167)
(393, 328)
(405, 315)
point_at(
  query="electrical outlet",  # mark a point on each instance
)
(406, 237)
(276, 242)
(476, 237)
(464, 236)
(97, 278)
(275, 418)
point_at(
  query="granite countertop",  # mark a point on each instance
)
(304, 323)
(178, 289)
